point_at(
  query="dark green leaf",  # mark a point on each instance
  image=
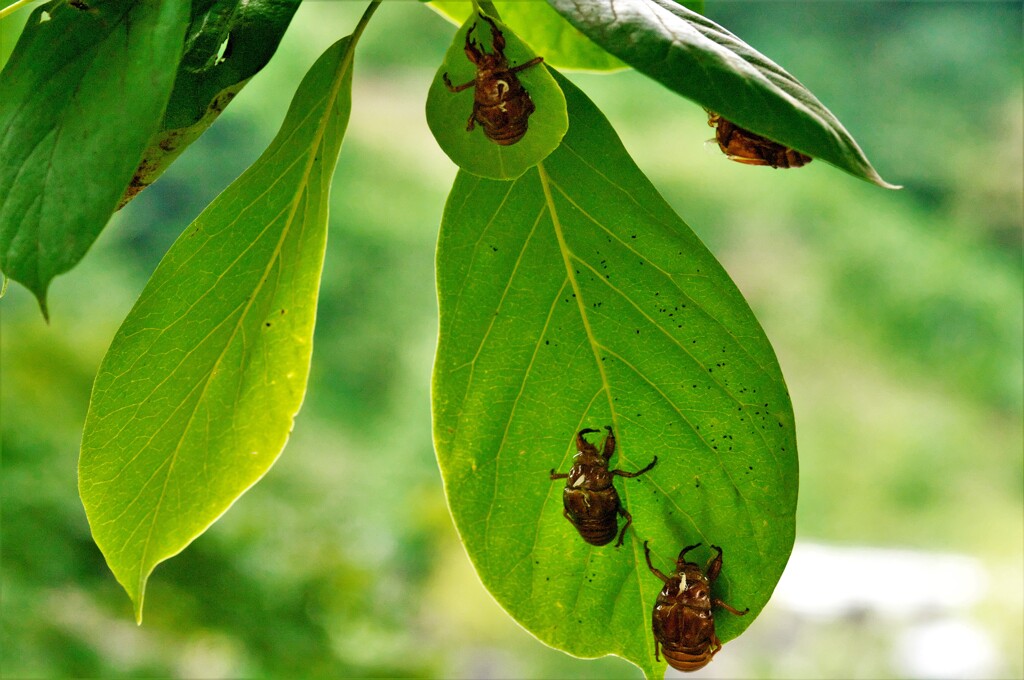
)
(448, 112)
(196, 395)
(79, 99)
(227, 43)
(702, 61)
(575, 297)
(547, 33)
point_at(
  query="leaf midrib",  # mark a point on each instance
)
(545, 181)
(314, 152)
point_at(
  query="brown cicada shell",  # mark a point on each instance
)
(682, 622)
(500, 102)
(743, 146)
(590, 499)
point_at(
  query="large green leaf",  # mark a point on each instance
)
(196, 395)
(562, 44)
(448, 112)
(575, 297)
(227, 43)
(702, 61)
(79, 99)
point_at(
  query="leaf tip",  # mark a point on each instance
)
(137, 605)
(39, 292)
(43, 308)
(877, 180)
(871, 175)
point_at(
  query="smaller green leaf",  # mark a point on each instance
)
(448, 112)
(561, 43)
(702, 61)
(226, 44)
(196, 396)
(80, 97)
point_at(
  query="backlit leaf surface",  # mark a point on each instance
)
(702, 61)
(575, 297)
(196, 395)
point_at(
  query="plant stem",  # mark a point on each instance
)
(354, 38)
(13, 7)
(365, 19)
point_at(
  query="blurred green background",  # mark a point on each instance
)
(897, 318)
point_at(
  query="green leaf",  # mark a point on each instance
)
(575, 297)
(227, 43)
(702, 61)
(79, 99)
(448, 112)
(196, 395)
(547, 33)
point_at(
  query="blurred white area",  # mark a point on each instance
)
(830, 581)
(947, 648)
(880, 613)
